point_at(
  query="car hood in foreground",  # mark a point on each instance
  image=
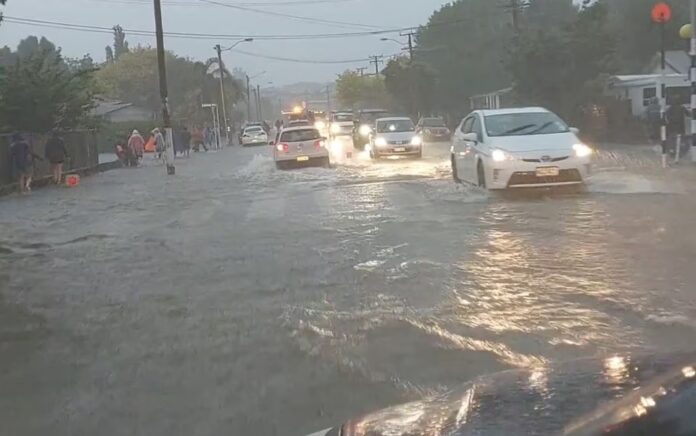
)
(619, 395)
(555, 143)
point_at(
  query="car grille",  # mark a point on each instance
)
(530, 178)
(399, 142)
(555, 159)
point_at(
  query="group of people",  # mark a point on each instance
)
(23, 159)
(131, 153)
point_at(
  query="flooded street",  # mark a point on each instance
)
(237, 299)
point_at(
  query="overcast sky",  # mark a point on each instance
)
(196, 16)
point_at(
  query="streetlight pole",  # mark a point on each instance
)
(248, 98)
(258, 102)
(221, 71)
(221, 68)
(164, 94)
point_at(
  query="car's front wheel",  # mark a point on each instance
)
(480, 171)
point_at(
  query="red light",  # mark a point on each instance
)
(282, 147)
(319, 143)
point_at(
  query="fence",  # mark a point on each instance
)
(81, 146)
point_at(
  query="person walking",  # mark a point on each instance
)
(136, 144)
(160, 145)
(22, 158)
(185, 142)
(56, 154)
(198, 139)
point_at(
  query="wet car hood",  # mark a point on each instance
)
(620, 395)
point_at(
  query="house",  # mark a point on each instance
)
(120, 112)
(641, 89)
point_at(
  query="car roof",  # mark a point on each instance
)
(519, 110)
(393, 119)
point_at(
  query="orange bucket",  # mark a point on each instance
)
(72, 180)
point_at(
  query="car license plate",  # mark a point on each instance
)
(547, 171)
(399, 149)
(302, 158)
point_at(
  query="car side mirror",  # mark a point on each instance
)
(575, 130)
(271, 142)
(471, 137)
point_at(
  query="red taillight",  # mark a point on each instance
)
(282, 147)
(319, 143)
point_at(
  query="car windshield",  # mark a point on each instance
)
(521, 124)
(433, 122)
(395, 126)
(300, 135)
(341, 118)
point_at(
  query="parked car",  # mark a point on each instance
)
(254, 135)
(518, 148)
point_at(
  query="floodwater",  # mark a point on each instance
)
(237, 299)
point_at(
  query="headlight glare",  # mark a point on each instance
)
(380, 142)
(365, 130)
(499, 155)
(416, 140)
(335, 128)
(582, 150)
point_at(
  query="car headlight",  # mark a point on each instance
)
(335, 128)
(582, 150)
(365, 130)
(380, 142)
(499, 155)
(320, 125)
(416, 140)
(428, 131)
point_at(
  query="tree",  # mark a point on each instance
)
(39, 91)
(133, 78)
(464, 43)
(562, 68)
(109, 54)
(354, 90)
(120, 43)
(411, 85)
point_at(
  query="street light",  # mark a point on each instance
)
(222, 83)
(403, 44)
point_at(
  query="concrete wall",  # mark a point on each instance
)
(82, 148)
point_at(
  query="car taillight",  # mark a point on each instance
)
(319, 143)
(283, 147)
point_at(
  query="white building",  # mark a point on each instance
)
(640, 89)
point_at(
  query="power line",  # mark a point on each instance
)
(294, 17)
(197, 3)
(208, 36)
(300, 61)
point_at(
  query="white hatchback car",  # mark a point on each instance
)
(518, 148)
(254, 135)
(395, 136)
(300, 146)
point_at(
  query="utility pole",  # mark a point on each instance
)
(410, 43)
(361, 70)
(376, 60)
(328, 100)
(222, 92)
(692, 77)
(248, 97)
(164, 94)
(258, 103)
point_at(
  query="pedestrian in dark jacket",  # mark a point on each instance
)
(22, 158)
(56, 154)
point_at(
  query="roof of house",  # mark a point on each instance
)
(677, 60)
(104, 107)
(642, 79)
